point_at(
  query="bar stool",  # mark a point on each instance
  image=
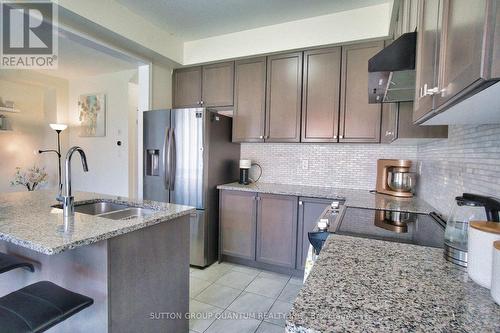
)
(8, 263)
(39, 306)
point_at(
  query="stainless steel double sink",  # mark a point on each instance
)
(110, 210)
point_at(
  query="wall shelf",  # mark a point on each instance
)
(4, 109)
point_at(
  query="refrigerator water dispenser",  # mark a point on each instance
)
(152, 162)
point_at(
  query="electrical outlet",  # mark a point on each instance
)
(305, 164)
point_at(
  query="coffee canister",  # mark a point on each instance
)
(482, 235)
(495, 273)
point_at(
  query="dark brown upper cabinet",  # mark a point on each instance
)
(320, 95)
(359, 121)
(249, 100)
(389, 128)
(458, 53)
(284, 96)
(427, 58)
(397, 124)
(217, 85)
(406, 20)
(204, 86)
(461, 50)
(187, 87)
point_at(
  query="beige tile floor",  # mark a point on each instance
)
(227, 298)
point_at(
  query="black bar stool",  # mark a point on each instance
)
(8, 263)
(37, 307)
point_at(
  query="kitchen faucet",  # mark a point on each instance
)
(68, 201)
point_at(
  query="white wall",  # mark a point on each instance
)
(161, 94)
(29, 130)
(351, 25)
(118, 19)
(108, 162)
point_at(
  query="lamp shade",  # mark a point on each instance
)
(58, 127)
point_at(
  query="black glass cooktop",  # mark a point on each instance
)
(411, 228)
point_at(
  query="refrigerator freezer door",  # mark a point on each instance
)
(156, 125)
(186, 182)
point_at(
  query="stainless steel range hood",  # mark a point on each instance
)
(391, 72)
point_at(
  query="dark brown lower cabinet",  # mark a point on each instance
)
(277, 229)
(267, 231)
(310, 210)
(238, 212)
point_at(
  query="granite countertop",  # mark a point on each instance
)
(354, 198)
(370, 285)
(28, 220)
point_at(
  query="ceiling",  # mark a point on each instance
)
(82, 58)
(195, 19)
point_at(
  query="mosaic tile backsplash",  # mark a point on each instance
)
(468, 161)
(336, 165)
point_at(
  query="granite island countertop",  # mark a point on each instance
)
(354, 198)
(370, 285)
(28, 219)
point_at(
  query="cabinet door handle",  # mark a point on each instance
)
(388, 133)
(300, 203)
(201, 102)
(433, 91)
(266, 137)
(430, 91)
(341, 136)
(261, 137)
(334, 136)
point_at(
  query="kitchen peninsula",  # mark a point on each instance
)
(377, 286)
(133, 267)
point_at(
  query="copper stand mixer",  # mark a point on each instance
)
(394, 178)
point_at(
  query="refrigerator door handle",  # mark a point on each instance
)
(166, 159)
(173, 157)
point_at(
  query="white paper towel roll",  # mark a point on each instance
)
(482, 234)
(495, 276)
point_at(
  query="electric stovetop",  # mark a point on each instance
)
(402, 227)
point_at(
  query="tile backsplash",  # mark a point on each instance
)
(468, 161)
(336, 165)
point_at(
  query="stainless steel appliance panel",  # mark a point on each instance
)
(199, 245)
(156, 126)
(186, 147)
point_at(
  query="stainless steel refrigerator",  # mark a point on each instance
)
(187, 153)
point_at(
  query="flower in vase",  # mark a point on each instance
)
(31, 178)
